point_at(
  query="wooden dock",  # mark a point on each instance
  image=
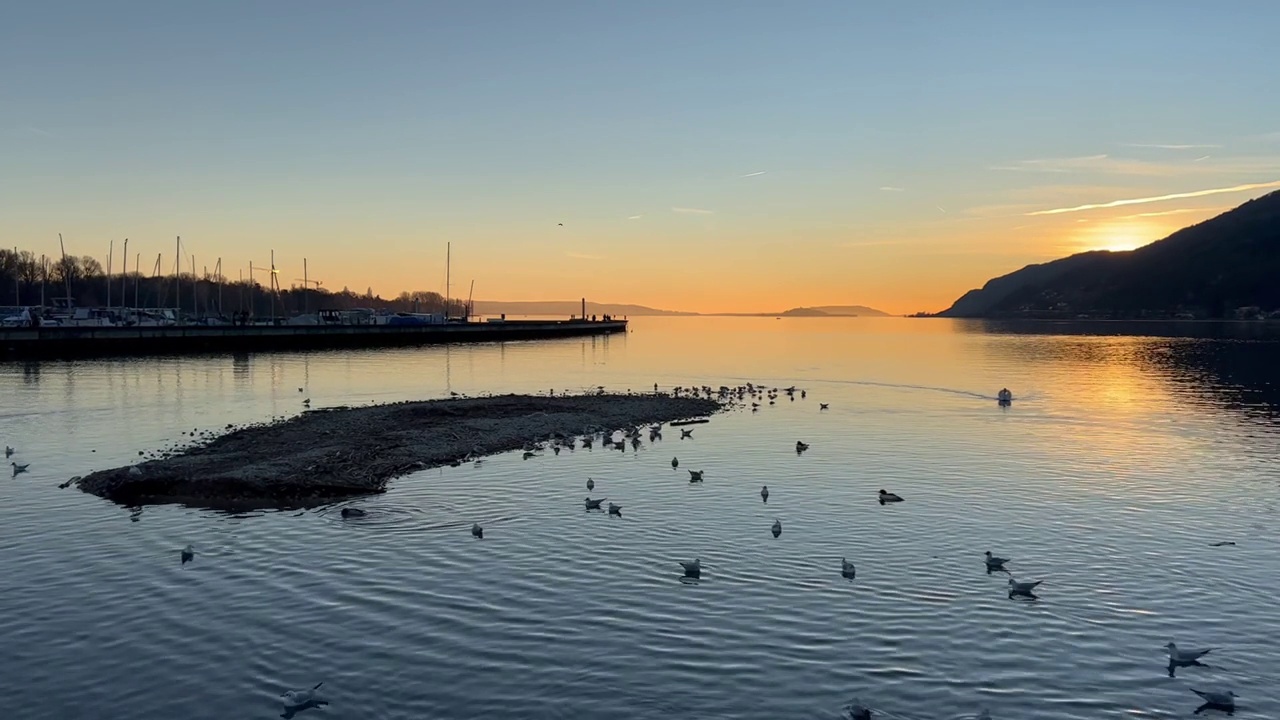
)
(77, 342)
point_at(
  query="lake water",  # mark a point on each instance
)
(1123, 457)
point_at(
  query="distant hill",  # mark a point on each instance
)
(565, 308)
(1208, 270)
(574, 307)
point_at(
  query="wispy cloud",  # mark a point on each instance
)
(890, 188)
(940, 208)
(753, 174)
(692, 211)
(1178, 211)
(634, 217)
(1160, 198)
(584, 256)
(39, 131)
(1161, 146)
(1107, 165)
(1202, 158)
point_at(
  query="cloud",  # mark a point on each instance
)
(583, 256)
(1202, 158)
(940, 208)
(890, 188)
(1160, 146)
(753, 174)
(1107, 165)
(692, 211)
(634, 217)
(1178, 211)
(1159, 198)
(38, 131)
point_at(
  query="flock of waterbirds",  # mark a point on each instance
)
(297, 700)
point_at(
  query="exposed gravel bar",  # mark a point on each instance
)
(327, 454)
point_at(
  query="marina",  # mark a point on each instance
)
(108, 340)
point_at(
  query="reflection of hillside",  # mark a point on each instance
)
(1234, 362)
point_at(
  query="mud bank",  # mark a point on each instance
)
(324, 455)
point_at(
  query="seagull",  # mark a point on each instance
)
(847, 569)
(858, 711)
(615, 509)
(1185, 656)
(9, 451)
(298, 698)
(685, 433)
(351, 512)
(824, 406)
(476, 531)
(995, 563)
(1022, 588)
(888, 497)
(560, 224)
(188, 554)
(777, 527)
(692, 569)
(801, 447)
(19, 468)
(1222, 699)
(591, 484)
(299, 389)
(764, 493)
(695, 476)
(594, 504)
(307, 402)
(675, 462)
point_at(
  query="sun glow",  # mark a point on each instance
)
(1116, 235)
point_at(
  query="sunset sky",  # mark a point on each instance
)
(706, 155)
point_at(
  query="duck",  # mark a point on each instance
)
(615, 509)
(591, 484)
(1185, 656)
(477, 531)
(695, 476)
(847, 569)
(353, 512)
(692, 569)
(888, 497)
(995, 563)
(188, 554)
(675, 462)
(764, 493)
(777, 527)
(594, 504)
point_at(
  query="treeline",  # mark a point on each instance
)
(27, 279)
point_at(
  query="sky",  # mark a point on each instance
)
(706, 156)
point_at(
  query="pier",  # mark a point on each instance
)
(78, 342)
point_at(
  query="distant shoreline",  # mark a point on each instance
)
(329, 454)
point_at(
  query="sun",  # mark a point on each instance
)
(1113, 236)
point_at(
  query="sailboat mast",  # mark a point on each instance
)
(111, 254)
(448, 265)
(124, 274)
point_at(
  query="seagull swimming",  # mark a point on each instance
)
(888, 497)
(351, 512)
(594, 504)
(615, 509)
(188, 554)
(995, 563)
(695, 476)
(298, 698)
(1022, 588)
(764, 493)
(1185, 656)
(823, 406)
(476, 530)
(847, 569)
(591, 484)
(9, 451)
(801, 447)
(1219, 698)
(858, 711)
(675, 462)
(692, 569)
(19, 468)
(685, 433)
(777, 527)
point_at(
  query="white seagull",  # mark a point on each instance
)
(1022, 588)
(298, 698)
(1185, 656)
(1218, 698)
(995, 563)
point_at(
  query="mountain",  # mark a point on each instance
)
(565, 308)
(1207, 270)
(574, 307)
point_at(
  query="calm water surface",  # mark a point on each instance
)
(1122, 459)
